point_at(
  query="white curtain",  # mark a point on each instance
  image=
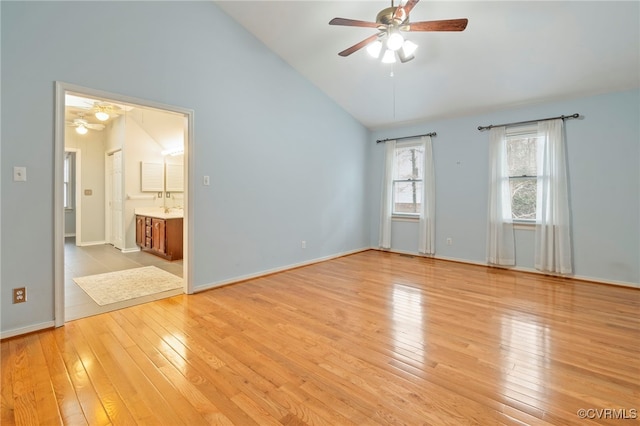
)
(500, 237)
(553, 233)
(426, 231)
(387, 195)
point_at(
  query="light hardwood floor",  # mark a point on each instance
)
(371, 338)
(100, 259)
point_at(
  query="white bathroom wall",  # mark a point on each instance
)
(138, 147)
(92, 190)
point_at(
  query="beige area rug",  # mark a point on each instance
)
(117, 286)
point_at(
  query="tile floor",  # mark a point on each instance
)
(91, 260)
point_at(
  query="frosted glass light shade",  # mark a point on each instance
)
(389, 57)
(81, 130)
(102, 116)
(374, 48)
(394, 41)
(408, 48)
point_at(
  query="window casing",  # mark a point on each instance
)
(68, 190)
(522, 146)
(408, 177)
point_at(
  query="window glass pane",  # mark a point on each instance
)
(523, 198)
(408, 162)
(521, 156)
(407, 197)
(67, 166)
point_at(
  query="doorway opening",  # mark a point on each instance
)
(106, 147)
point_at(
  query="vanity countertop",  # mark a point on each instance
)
(160, 212)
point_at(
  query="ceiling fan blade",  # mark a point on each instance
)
(359, 46)
(398, 14)
(94, 126)
(353, 23)
(444, 25)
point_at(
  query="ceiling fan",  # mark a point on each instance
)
(389, 23)
(82, 125)
(104, 110)
(101, 109)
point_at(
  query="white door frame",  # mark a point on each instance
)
(114, 223)
(61, 89)
(77, 184)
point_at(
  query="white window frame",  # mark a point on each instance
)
(404, 215)
(69, 181)
(521, 132)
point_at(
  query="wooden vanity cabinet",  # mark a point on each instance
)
(162, 237)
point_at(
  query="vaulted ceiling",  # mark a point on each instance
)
(511, 53)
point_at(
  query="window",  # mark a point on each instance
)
(407, 179)
(523, 182)
(68, 180)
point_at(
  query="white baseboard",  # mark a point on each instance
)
(516, 268)
(275, 270)
(130, 250)
(25, 330)
(92, 243)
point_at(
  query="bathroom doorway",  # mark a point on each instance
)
(105, 208)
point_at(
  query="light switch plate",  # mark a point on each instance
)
(19, 174)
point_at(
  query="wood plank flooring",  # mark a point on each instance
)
(371, 338)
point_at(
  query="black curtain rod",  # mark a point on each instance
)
(564, 117)
(406, 137)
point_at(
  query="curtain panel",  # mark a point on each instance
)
(426, 225)
(386, 208)
(553, 230)
(500, 236)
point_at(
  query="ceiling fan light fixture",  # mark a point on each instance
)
(374, 49)
(389, 57)
(81, 130)
(102, 116)
(395, 40)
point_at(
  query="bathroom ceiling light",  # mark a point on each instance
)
(81, 130)
(102, 116)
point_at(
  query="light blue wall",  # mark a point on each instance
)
(286, 163)
(604, 162)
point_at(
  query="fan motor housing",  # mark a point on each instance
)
(385, 16)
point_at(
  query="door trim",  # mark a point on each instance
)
(61, 88)
(77, 184)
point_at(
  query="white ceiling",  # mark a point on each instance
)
(512, 53)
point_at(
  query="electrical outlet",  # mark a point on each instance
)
(449, 241)
(19, 174)
(304, 244)
(19, 295)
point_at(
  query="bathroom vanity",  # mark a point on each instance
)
(159, 232)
